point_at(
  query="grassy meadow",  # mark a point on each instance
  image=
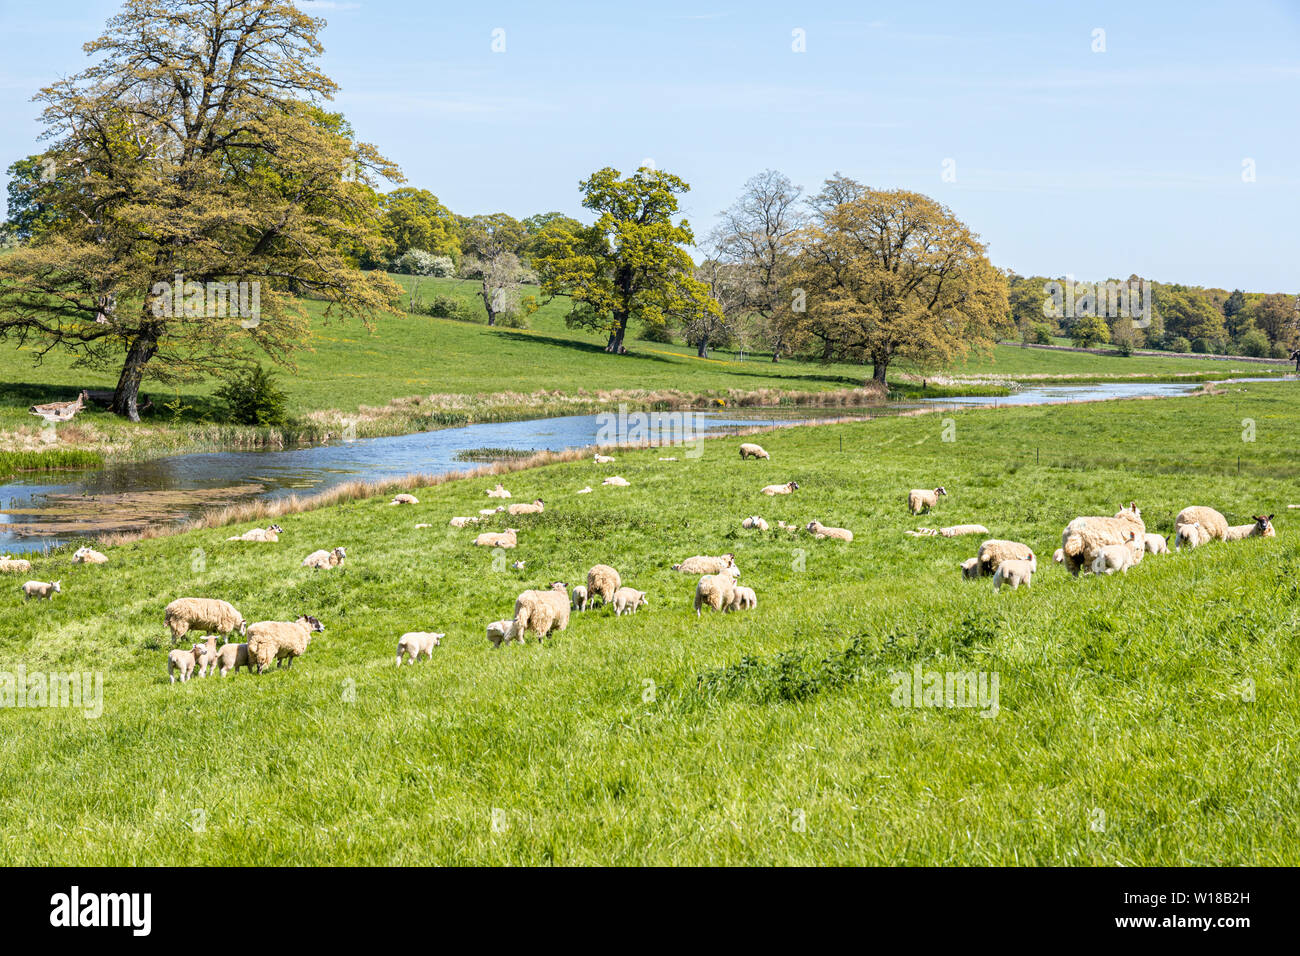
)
(1149, 718)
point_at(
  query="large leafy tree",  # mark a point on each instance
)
(630, 263)
(492, 245)
(895, 275)
(1190, 313)
(415, 219)
(193, 151)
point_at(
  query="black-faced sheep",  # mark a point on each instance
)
(1261, 528)
(202, 616)
(280, 641)
(919, 499)
(788, 488)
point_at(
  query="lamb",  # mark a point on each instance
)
(325, 559)
(602, 582)
(499, 632)
(1084, 537)
(404, 499)
(583, 491)
(89, 556)
(184, 662)
(10, 565)
(970, 568)
(602, 459)
(414, 643)
(580, 601)
(718, 591)
(994, 551)
(617, 481)
(541, 612)
(1119, 557)
(787, 488)
(627, 600)
(918, 499)
(41, 590)
(535, 508)
(204, 616)
(1154, 543)
(754, 521)
(497, 539)
(280, 641)
(743, 599)
(1213, 525)
(820, 531)
(1059, 555)
(1014, 573)
(704, 564)
(750, 450)
(488, 512)
(462, 522)
(518, 565)
(952, 531)
(1262, 528)
(259, 534)
(232, 657)
(1190, 536)
(498, 492)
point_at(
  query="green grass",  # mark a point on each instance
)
(1028, 364)
(1148, 718)
(59, 459)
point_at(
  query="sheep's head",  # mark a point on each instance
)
(1130, 512)
(341, 552)
(794, 486)
(813, 526)
(58, 589)
(729, 559)
(276, 528)
(1264, 526)
(970, 568)
(560, 586)
(312, 624)
(940, 490)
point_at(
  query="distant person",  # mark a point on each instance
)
(1295, 357)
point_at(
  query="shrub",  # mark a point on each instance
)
(1178, 343)
(1254, 343)
(252, 398)
(449, 307)
(1090, 330)
(1279, 351)
(1040, 333)
(1201, 345)
(418, 262)
(512, 320)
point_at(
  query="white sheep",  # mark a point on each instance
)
(184, 662)
(10, 565)
(205, 616)
(627, 600)
(1013, 572)
(259, 534)
(788, 488)
(1153, 543)
(1119, 557)
(462, 522)
(617, 481)
(1190, 535)
(41, 590)
(820, 531)
(718, 591)
(541, 612)
(536, 508)
(498, 539)
(488, 512)
(706, 564)
(325, 559)
(602, 459)
(754, 521)
(280, 641)
(952, 531)
(414, 643)
(232, 657)
(404, 499)
(994, 551)
(498, 492)
(1261, 528)
(743, 599)
(750, 450)
(89, 556)
(1084, 536)
(602, 582)
(1059, 555)
(499, 632)
(583, 491)
(919, 499)
(970, 568)
(580, 597)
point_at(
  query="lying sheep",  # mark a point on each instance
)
(1213, 524)
(280, 641)
(705, 564)
(404, 499)
(952, 531)
(89, 556)
(718, 591)
(184, 662)
(540, 612)
(414, 643)
(750, 450)
(325, 559)
(602, 582)
(1014, 573)
(918, 499)
(536, 508)
(41, 590)
(617, 481)
(518, 565)
(1261, 528)
(1153, 543)
(743, 599)
(820, 531)
(627, 600)
(498, 492)
(580, 600)
(1190, 536)
(602, 459)
(1084, 537)
(754, 522)
(583, 491)
(462, 522)
(203, 616)
(232, 657)
(488, 512)
(497, 539)
(994, 551)
(10, 565)
(1119, 557)
(787, 488)
(259, 534)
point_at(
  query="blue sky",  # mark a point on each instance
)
(1066, 160)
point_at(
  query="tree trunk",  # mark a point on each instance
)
(878, 369)
(616, 334)
(703, 350)
(127, 395)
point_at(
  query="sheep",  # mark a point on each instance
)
(750, 450)
(627, 600)
(10, 565)
(1059, 555)
(994, 551)
(1153, 543)
(952, 531)
(499, 632)
(259, 534)
(617, 481)
(414, 643)
(280, 641)
(583, 491)
(918, 499)
(718, 591)
(497, 539)
(232, 657)
(488, 512)
(461, 522)
(1119, 557)
(580, 597)
(754, 521)
(204, 616)
(787, 488)
(704, 564)
(325, 559)
(970, 568)
(518, 565)
(536, 508)
(422, 525)
(541, 612)
(1213, 525)
(41, 590)
(498, 492)
(672, 458)
(89, 556)
(820, 531)
(602, 459)
(404, 499)
(184, 662)
(602, 582)
(1084, 537)
(1261, 528)
(1014, 573)
(1189, 536)
(743, 599)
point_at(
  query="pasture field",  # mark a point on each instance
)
(1148, 718)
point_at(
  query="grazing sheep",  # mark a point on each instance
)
(1059, 555)
(232, 657)
(583, 491)
(602, 582)
(89, 556)
(404, 499)
(580, 601)
(325, 559)
(627, 600)
(718, 591)
(704, 564)
(1014, 573)
(1153, 543)
(617, 481)
(488, 512)
(1084, 537)
(499, 632)
(541, 612)
(184, 661)
(952, 531)
(970, 568)
(918, 499)
(414, 643)
(1213, 526)
(1261, 528)
(498, 492)
(462, 522)
(10, 565)
(41, 590)
(602, 459)
(1119, 557)
(259, 534)
(497, 539)
(787, 488)
(820, 531)
(754, 521)
(535, 508)
(1189, 536)
(743, 599)
(994, 551)
(204, 616)
(750, 450)
(280, 641)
